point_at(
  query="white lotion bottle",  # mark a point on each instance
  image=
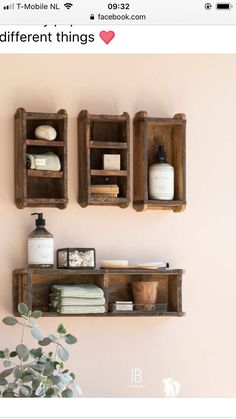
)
(161, 177)
(40, 246)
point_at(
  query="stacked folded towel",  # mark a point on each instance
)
(45, 161)
(77, 299)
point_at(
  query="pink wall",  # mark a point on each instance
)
(199, 350)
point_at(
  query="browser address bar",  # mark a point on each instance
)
(105, 12)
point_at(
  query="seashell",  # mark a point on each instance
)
(45, 132)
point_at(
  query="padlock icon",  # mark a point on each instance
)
(92, 17)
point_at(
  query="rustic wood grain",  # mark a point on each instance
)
(32, 188)
(32, 286)
(97, 133)
(149, 133)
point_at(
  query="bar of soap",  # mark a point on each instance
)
(111, 161)
(114, 264)
(45, 132)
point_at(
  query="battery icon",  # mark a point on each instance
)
(224, 6)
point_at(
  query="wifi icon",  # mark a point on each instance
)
(68, 5)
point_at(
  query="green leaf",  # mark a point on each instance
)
(56, 365)
(13, 354)
(45, 342)
(63, 353)
(10, 321)
(8, 393)
(36, 353)
(61, 329)
(53, 338)
(72, 375)
(6, 373)
(37, 367)
(36, 333)
(49, 369)
(27, 377)
(37, 314)
(70, 339)
(12, 386)
(24, 391)
(22, 351)
(50, 392)
(23, 308)
(40, 391)
(3, 382)
(26, 357)
(7, 363)
(36, 383)
(17, 372)
(2, 354)
(55, 379)
(67, 393)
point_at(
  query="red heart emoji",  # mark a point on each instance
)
(107, 36)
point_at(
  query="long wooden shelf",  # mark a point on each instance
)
(32, 286)
(45, 143)
(108, 172)
(121, 314)
(108, 145)
(45, 173)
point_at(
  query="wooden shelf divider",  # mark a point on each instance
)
(107, 173)
(108, 145)
(45, 173)
(44, 143)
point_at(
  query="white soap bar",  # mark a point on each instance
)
(45, 132)
(111, 161)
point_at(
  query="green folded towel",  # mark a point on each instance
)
(57, 301)
(81, 309)
(82, 291)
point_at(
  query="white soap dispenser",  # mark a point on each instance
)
(161, 177)
(40, 246)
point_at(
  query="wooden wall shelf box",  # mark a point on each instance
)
(40, 188)
(33, 287)
(99, 135)
(148, 134)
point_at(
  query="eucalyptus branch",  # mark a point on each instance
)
(36, 374)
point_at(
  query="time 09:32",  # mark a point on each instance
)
(116, 6)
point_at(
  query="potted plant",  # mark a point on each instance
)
(36, 372)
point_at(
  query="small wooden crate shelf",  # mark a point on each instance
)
(33, 287)
(98, 135)
(40, 188)
(148, 134)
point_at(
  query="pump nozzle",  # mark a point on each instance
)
(40, 221)
(161, 154)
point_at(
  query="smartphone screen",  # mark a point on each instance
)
(118, 209)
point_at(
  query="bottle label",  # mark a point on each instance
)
(41, 251)
(161, 184)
